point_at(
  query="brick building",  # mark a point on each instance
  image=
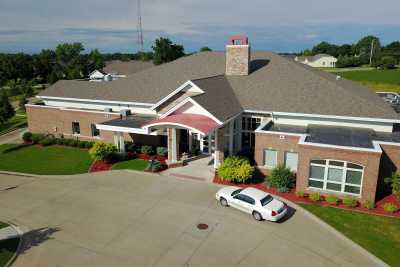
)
(337, 136)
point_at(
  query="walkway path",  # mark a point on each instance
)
(13, 137)
(199, 169)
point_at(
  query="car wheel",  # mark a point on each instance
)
(223, 202)
(257, 216)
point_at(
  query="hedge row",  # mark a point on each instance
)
(48, 140)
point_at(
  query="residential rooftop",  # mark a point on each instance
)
(275, 84)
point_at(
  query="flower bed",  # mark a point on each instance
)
(99, 166)
(291, 196)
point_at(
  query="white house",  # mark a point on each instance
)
(318, 61)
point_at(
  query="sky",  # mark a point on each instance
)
(111, 26)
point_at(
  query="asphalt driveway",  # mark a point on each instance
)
(125, 218)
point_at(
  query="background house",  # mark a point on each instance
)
(318, 61)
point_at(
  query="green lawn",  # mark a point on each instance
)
(134, 164)
(7, 250)
(15, 122)
(379, 235)
(378, 80)
(44, 160)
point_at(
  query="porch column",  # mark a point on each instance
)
(121, 142)
(239, 133)
(219, 147)
(190, 141)
(231, 136)
(210, 147)
(201, 140)
(172, 146)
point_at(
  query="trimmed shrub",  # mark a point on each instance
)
(47, 141)
(394, 182)
(283, 189)
(27, 137)
(36, 138)
(148, 150)
(350, 202)
(130, 147)
(390, 207)
(59, 141)
(368, 204)
(281, 177)
(162, 151)
(101, 150)
(89, 144)
(332, 199)
(300, 193)
(154, 165)
(82, 144)
(236, 169)
(315, 196)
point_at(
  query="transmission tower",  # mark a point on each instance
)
(140, 30)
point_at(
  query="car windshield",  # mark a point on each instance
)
(266, 200)
(236, 192)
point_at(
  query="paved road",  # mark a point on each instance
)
(137, 219)
(12, 137)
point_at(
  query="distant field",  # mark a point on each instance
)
(378, 80)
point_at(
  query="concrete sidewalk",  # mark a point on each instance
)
(200, 169)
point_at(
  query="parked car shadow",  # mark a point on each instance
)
(291, 211)
(36, 237)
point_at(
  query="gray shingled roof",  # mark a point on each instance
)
(126, 67)
(275, 84)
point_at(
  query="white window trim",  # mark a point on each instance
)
(276, 159)
(343, 183)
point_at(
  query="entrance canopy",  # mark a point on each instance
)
(194, 122)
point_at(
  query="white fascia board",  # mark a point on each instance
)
(94, 100)
(376, 149)
(189, 99)
(386, 143)
(122, 129)
(323, 116)
(177, 90)
(72, 109)
(174, 124)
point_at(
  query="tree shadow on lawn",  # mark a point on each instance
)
(36, 237)
(16, 148)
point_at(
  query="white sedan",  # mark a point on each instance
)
(261, 205)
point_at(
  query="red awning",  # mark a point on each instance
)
(200, 123)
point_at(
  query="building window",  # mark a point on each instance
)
(76, 129)
(335, 175)
(291, 160)
(95, 131)
(270, 158)
(250, 123)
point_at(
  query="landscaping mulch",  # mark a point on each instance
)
(100, 165)
(291, 196)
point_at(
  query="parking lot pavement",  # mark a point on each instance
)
(124, 218)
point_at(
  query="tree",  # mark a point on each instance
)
(166, 51)
(6, 110)
(326, 48)
(68, 58)
(21, 103)
(95, 61)
(44, 64)
(205, 49)
(345, 50)
(386, 62)
(26, 88)
(363, 48)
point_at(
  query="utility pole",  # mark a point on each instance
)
(140, 30)
(372, 51)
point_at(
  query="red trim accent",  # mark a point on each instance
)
(238, 40)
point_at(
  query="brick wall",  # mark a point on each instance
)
(44, 119)
(237, 59)
(370, 160)
(273, 141)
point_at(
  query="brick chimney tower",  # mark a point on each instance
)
(238, 55)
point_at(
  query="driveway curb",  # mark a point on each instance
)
(356, 246)
(19, 174)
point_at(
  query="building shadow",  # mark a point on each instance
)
(387, 168)
(36, 237)
(257, 64)
(15, 148)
